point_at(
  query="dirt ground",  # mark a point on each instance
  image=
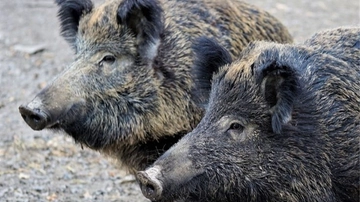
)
(42, 166)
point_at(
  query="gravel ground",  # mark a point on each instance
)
(43, 166)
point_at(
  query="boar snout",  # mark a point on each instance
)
(150, 186)
(36, 118)
(47, 111)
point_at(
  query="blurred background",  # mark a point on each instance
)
(43, 166)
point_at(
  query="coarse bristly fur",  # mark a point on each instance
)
(282, 124)
(128, 92)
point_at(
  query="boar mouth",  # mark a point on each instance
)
(183, 192)
(68, 116)
(55, 126)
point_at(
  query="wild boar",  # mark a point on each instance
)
(282, 123)
(127, 94)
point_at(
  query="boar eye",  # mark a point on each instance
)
(110, 59)
(236, 126)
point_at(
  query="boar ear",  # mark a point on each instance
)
(144, 19)
(69, 14)
(280, 86)
(209, 57)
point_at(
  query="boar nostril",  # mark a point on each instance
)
(151, 188)
(35, 118)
